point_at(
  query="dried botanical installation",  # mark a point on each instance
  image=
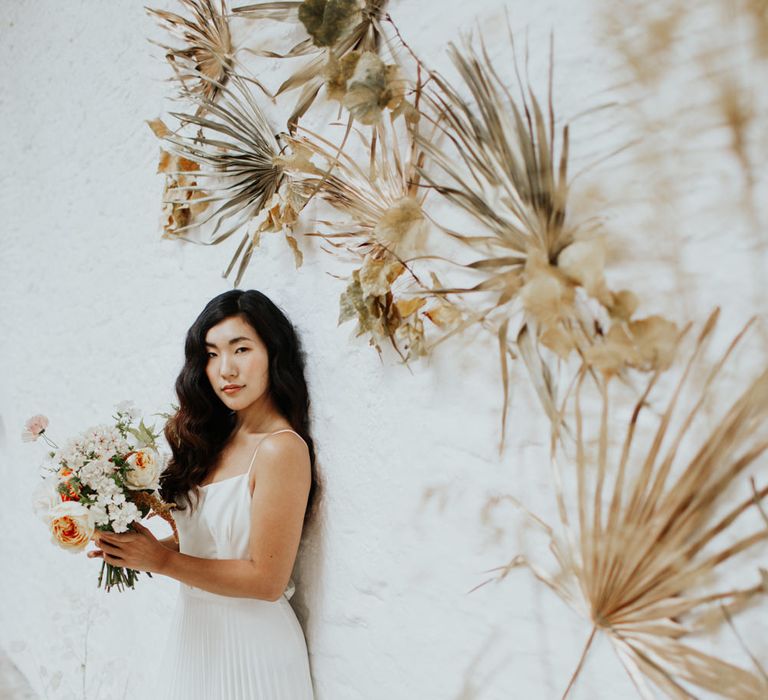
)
(241, 159)
(341, 33)
(654, 522)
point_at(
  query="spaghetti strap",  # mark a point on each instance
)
(283, 430)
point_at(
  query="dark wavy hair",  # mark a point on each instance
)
(202, 424)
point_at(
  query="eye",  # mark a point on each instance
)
(246, 349)
(210, 354)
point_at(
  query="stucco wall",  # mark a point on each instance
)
(94, 307)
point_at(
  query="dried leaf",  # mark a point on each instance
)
(326, 21)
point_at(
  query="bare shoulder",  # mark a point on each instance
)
(284, 453)
(283, 443)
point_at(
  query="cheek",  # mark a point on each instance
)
(258, 366)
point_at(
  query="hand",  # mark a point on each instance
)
(139, 550)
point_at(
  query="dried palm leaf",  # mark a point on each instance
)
(337, 29)
(504, 163)
(206, 59)
(239, 154)
(654, 524)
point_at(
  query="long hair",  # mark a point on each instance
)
(202, 424)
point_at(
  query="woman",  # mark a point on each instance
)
(243, 475)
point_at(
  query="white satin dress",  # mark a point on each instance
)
(222, 647)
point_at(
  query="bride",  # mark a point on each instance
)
(243, 475)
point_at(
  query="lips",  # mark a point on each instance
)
(231, 389)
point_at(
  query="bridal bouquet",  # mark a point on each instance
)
(106, 478)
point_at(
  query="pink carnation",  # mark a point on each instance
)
(34, 428)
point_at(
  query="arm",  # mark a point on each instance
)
(282, 477)
(238, 578)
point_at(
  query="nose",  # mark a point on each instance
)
(227, 367)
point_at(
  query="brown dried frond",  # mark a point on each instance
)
(653, 523)
(206, 60)
(239, 155)
(337, 29)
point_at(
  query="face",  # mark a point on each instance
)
(237, 357)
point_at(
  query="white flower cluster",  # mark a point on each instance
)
(102, 441)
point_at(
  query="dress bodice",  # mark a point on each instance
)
(219, 525)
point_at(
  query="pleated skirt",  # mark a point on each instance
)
(224, 648)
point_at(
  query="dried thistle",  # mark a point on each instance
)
(337, 29)
(239, 154)
(205, 61)
(653, 524)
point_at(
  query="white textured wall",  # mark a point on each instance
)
(94, 307)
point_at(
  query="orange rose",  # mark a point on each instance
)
(71, 525)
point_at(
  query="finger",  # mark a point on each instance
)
(115, 561)
(110, 548)
(95, 553)
(116, 538)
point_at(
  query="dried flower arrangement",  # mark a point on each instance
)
(654, 522)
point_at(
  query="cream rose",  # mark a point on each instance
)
(71, 525)
(144, 472)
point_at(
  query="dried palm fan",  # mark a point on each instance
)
(237, 150)
(340, 31)
(207, 51)
(502, 163)
(384, 225)
(654, 523)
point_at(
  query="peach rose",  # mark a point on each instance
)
(144, 472)
(71, 525)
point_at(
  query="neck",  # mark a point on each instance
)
(260, 417)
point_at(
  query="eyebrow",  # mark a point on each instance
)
(231, 342)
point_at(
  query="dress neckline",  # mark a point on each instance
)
(221, 481)
(246, 473)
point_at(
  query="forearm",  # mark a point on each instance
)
(238, 578)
